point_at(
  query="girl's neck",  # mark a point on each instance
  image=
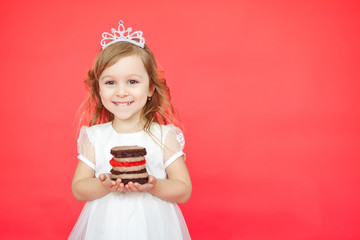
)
(132, 127)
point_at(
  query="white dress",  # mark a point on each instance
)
(130, 216)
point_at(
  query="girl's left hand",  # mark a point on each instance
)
(137, 187)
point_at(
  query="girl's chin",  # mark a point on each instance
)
(122, 118)
(126, 118)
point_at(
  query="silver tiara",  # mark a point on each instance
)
(122, 35)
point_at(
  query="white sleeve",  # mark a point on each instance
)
(86, 148)
(174, 145)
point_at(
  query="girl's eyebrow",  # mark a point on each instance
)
(136, 75)
(105, 76)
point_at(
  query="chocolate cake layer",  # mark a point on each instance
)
(138, 180)
(128, 151)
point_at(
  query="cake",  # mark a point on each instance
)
(128, 163)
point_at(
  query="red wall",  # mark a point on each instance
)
(268, 92)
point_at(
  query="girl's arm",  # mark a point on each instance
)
(177, 188)
(86, 187)
(84, 184)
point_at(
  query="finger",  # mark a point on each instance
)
(113, 183)
(106, 177)
(138, 186)
(128, 186)
(118, 185)
(131, 187)
(102, 177)
(108, 182)
(118, 181)
(121, 187)
(152, 180)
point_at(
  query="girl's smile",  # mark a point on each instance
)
(122, 103)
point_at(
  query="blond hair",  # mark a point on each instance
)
(158, 109)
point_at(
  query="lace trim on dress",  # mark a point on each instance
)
(180, 138)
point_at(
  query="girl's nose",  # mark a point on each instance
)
(121, 91)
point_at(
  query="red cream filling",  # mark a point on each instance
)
(115, 163)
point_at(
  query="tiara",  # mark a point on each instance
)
(122, 35)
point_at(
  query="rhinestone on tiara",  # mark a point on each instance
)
(122, 35)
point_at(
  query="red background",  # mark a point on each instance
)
(268, 92)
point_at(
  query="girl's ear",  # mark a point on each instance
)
(151, 89)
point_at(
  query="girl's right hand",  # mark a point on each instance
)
(111, 185)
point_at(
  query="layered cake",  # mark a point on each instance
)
(128, 163)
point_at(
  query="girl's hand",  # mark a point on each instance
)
(111, 185)
(137, 187)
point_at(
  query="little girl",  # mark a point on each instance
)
(129, 103)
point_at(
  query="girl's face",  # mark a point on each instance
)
(124, 89)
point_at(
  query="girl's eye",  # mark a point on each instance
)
(110, 82)
(133, 81)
